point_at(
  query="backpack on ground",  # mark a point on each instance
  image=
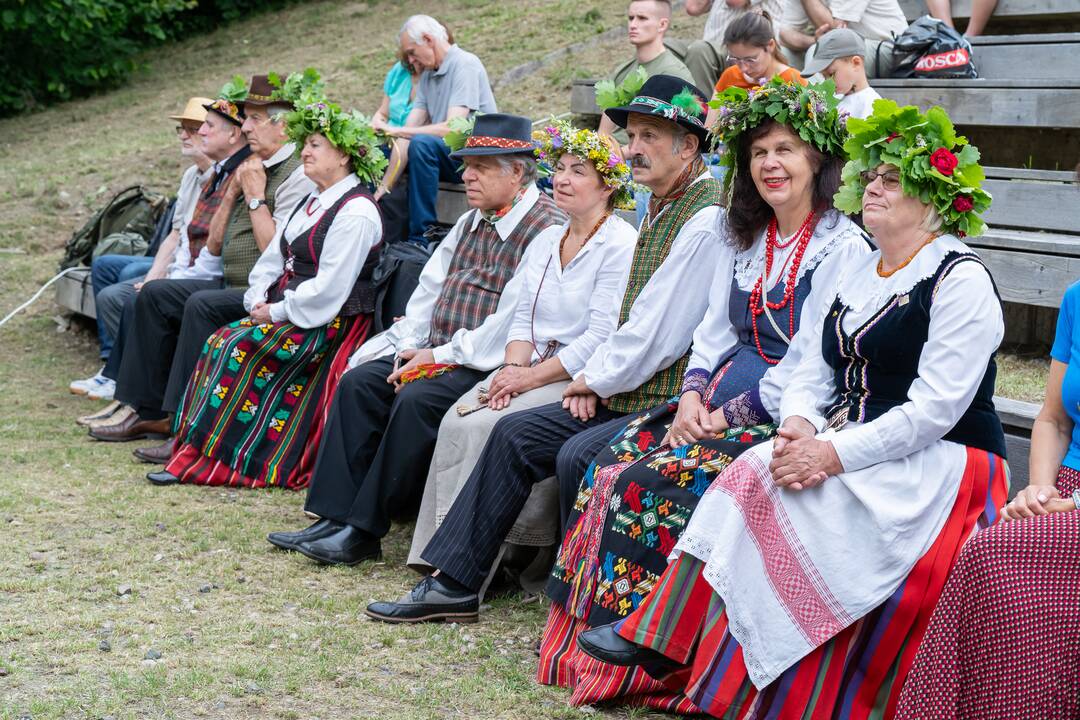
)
(132, 210)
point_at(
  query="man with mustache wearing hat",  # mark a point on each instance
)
(258, 180)
(638, 367)
(378, 440)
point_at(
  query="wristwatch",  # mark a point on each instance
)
(1076, 498)
(255, 203)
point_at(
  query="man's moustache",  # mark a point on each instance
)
(640, 161)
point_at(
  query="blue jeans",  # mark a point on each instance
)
(429, 163)
(108, 270)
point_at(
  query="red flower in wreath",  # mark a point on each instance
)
(944, 161)
(962, 203)
(892, 137)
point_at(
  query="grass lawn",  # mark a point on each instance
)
(120, 600)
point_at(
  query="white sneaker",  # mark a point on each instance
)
(83, 387)
(104, 391)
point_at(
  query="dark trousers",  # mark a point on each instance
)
(167, 316)
(523, 449)
(375, 451)
(127, 319)
(429, 162)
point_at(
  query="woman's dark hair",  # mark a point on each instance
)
(754, 28)
(748, 213)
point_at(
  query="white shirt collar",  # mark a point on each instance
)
(332, 194)
(509, 222)
(281, 155)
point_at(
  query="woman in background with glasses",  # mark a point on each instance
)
(753, 56)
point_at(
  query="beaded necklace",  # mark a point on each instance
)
(882, 272)
(759, 300)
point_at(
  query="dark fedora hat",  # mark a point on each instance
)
(670, 98)
(261, 92)
(498, 134)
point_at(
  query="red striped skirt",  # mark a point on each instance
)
(1004, 642)
(257, 401)
(856, 675)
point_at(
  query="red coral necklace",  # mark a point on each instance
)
(759, 301)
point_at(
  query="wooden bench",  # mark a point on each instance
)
(1012, 57)
(1007, 10)
(74, 293)
(1017, 418)
(993, 103)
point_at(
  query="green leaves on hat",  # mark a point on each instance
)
(235, 91)
(609, 96)
(936, 165)
(461, 129)
(298, 88)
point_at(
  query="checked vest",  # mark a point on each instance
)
(303, 253)
(198, 228)
(481, 266)
(239, 251)
(653, 245)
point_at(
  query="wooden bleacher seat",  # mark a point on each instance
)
(1009, 10)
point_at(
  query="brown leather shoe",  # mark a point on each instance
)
(132, 427)
(157, 454)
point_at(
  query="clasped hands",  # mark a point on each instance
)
(580, 401)
(508, 383)
(800, 460)
(1035, 500)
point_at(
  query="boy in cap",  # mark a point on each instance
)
(840, 56)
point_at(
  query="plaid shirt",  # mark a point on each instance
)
(481, 266)
(654, 244)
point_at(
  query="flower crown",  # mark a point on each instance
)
(298, 88)
(810, 110)
(558, 137)
(229, 98)
(350, 132)
(936, 165)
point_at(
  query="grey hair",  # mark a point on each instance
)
(417, 26)
(526, 162)
(932, 221)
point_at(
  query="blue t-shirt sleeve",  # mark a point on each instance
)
(1063, 336)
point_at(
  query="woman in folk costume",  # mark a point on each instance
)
(805, 580)
(574, 278)
(254, 408)
(638, 495)
(1005, 638)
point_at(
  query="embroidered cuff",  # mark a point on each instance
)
(696, 380)
(746, 410)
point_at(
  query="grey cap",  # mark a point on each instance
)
(838, 43)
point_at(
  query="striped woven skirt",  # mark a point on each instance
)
(856, 675)
(1004, 642)
(256, 404)
(633, 504)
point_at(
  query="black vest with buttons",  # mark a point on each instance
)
(875, 365)
(302, 259)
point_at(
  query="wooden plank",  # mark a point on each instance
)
(1029, 278)
(583, 98)
(1000, 107)
(1005, 8)
(1026, 39)
(1055, 61)
(74, 293)
(450, 203)
(1016, 413)
(1034, 242)
(1018, 450)
(1024, 204)
(1026, 174)
(978, 84)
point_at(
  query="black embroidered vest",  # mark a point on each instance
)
(302, 259)
(875, 365)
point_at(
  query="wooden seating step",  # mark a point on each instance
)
(1050, 57)
(1006, 9)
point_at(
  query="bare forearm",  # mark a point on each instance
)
(263, 225)
(549, 371)
(795, 40)
(1049, 443)
(818, 13)
(698, 7)
(436, 129)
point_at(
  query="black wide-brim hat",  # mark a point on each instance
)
(498, 134)
(655, 98)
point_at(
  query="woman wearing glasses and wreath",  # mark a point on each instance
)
(574, 276)
(638, 495)
(753, 58)
(804, 583)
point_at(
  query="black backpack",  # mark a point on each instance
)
(134, 209)
(931, 49)
(398, 273)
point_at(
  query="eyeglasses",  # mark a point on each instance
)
(181, 129)
(890, 179)
(749, 60)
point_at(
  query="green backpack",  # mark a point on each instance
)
(133, 210)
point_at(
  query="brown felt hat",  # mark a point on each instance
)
(260, 92)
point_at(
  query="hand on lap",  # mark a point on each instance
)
(1035, 500)
(692, 422)
(801, 461)
(413, 358)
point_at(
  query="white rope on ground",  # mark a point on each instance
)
(36, 295)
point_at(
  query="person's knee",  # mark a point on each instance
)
(112, 298)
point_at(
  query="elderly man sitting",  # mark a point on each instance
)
(374, 454)
(453, 84)
(638, 367)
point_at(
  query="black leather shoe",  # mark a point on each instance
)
(346, 546)
(429, 601)
(606, 645)
(289, 540)
(162, 477)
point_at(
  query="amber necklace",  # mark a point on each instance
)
(882, 272)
